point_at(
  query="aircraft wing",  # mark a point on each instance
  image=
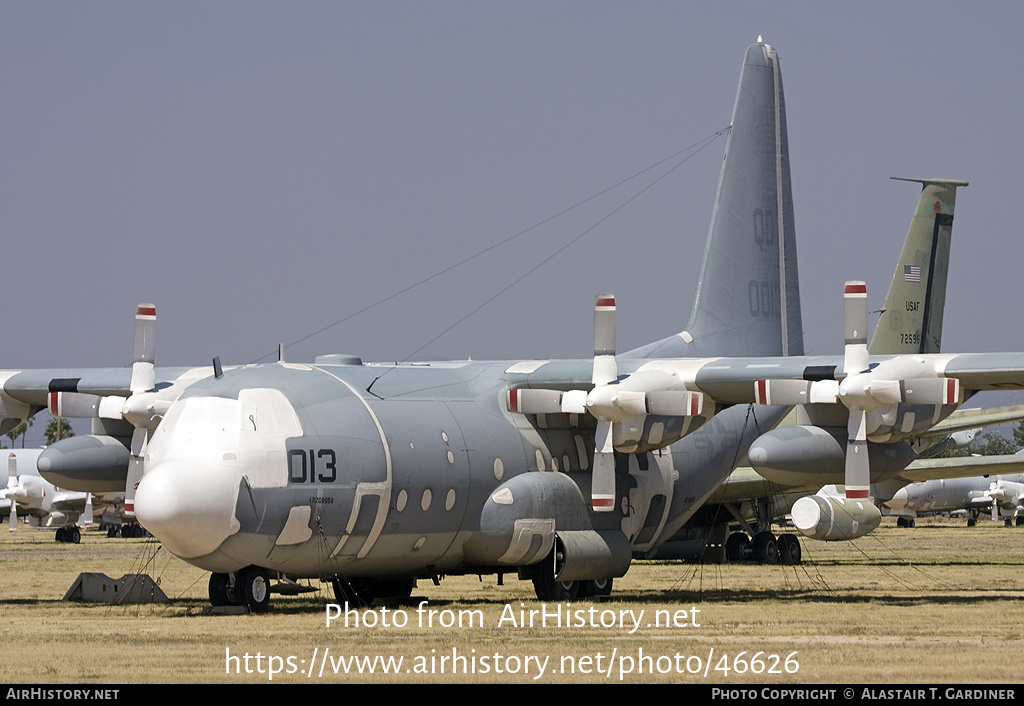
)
(733, 380)
(23, 393)
(36, 387)
(745, 484)
(963, 467)
(986, 371)
(964, 419)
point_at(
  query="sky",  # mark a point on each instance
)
(263, 170)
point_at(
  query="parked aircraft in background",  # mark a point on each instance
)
(40, 502)
(1002, 495)
(46, 506)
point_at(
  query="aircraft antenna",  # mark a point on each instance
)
(697, 146)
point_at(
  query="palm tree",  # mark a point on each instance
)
(58, 428)
(19, 430)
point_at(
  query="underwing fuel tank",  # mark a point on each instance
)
(801, 455)
(97, 464)
(832, 518)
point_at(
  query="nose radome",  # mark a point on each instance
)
(190, 508)
(899, 500)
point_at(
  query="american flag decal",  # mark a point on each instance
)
(911, 273)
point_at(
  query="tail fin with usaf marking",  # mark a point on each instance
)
(911, 320)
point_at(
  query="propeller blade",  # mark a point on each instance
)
(782, 392)
(885, 391)
(81, 405)
(525, 401)
(144, 349)
(932, 391)
(12, 482)
(85, 519)
(136, 468)
(855, 327)
(793, 392)
(858, 471)
(605, 370)
(632, 403)
(144, 345)
(675, 403)
(602, 488)
(574, 402)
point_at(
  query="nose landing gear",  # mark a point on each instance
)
(249, 587)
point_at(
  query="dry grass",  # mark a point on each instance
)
(939, 603)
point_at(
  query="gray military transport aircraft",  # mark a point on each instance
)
(45, 506)
(374, 475)
(40, 502)
(1003, 495)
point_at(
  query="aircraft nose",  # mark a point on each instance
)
(189, 507)
(899, 500)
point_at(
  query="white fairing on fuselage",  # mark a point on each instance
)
(188, 494)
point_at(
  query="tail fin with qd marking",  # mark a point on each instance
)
(748, 295)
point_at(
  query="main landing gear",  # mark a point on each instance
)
(548, 588)
(363, 592)
(71, 535)
(764, 548)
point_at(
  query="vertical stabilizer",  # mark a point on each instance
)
(911, 320)
(748, 295)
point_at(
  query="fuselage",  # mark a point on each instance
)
(364, 470)
(948, 494)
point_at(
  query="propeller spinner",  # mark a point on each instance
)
(620, 407)
(872, 394)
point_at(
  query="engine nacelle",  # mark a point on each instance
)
(517, 525)
(96, 464)
(832, 518)
(800, 455)
(57, 519)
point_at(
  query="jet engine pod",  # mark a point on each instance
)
(832, 518)
(799, 455)
(97, 464)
